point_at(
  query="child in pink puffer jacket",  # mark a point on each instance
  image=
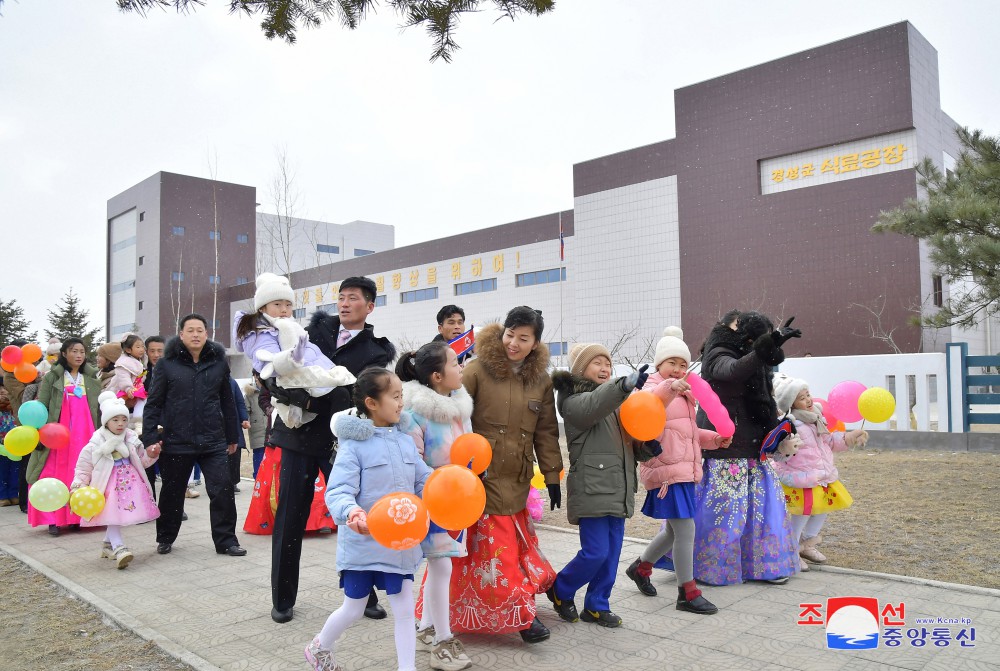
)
(669, 478)
(809, 478)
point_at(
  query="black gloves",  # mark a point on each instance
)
(555, 496)
(637, 379)
(785, 333)
(297, 397)
(654, 447)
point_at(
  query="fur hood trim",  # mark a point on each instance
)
(723, 336)
(566, 383)
(175, 350)
(493, 358)
(348, 426)
(437, 408)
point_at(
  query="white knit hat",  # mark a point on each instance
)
(271, 287)
(581, 354)
(111, 406)
(786, 389)
(671, 344)
(54, 346)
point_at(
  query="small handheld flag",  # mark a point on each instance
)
(463, 344)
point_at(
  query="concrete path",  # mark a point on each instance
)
(213, 611)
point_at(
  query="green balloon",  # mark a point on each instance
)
(5, 453)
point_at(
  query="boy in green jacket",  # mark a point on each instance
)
(601, 482)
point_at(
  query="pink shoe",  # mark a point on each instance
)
(320, 658)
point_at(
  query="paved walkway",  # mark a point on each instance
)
(213, 611)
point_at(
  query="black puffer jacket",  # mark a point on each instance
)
(740, 373)
(193, 402)
(360, 352)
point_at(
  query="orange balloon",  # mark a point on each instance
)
(31, 352)
(6, 366)
(643, 415)
(399, 521)
(472, 447)
(25, 372)
(839, 426)
(455, 497)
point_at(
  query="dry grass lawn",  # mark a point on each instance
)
(916, 513)
(45, 627)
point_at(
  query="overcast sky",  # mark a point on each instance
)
(93, 101)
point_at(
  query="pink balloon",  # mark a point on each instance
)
(710, 403)
(828, 415)
(844, 401)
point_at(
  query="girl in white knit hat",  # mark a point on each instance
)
(115, 462)
(809, 478)
(279, 347)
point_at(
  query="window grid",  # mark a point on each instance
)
(328, 249)
(177, 276)
(558, 348)
(540, 277)
(476, 287)
(418, 295)
(242, 238)
(214, 279)
(380, 301)
(363, 252)
(177, 230)
(298, 313)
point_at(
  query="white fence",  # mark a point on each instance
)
(918, 381)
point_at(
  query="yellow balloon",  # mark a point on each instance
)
(538, 481)
(86, 502)
(21, 440)
(876, 405)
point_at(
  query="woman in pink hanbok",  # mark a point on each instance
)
(70, 392)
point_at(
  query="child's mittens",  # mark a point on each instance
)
(358, 521)
(856, 438)
(299, 351)
(789, 446)
(637, 379)
(654, 447)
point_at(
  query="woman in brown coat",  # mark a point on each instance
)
(493, 589)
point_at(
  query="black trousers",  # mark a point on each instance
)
(22, 485)
(151, 476)
(174, 472)
(234, 466)
(295, 495)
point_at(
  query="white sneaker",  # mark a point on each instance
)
(425, 639)
(450, 656)
(107, 552)
(320, 658)
(122, 556)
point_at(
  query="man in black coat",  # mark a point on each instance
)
(191, 414)
(305, 451)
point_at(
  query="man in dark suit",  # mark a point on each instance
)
(348, 341)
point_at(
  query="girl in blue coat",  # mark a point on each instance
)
(375, 458)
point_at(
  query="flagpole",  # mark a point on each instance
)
(562, 261)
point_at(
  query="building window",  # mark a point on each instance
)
(477, 287)
(242, 238)
(176, 276)
(241, 280)
(327, 249)
(142, 216)
(214, 279)
(122, 286)
(938, 291)
(141, 258)
(217, 323)
(298, 313)
(212, 235)
(177, 230)
(558, 348)
(140, 305)
(122, 244)
(418, 295)
(121, 328)
(363, 252)
(380, 301)
(540, 277)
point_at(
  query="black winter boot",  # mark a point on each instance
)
(689, 598)
(639, 572)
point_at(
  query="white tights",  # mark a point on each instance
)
(436, 598)
(113, 535)
(402, 614)
(805, 527)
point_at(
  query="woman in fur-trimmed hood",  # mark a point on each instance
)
(513, 408)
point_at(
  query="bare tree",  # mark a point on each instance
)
(213, 164)
(276, 244)
(175, 308)
(876, 329)
(634, 346)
